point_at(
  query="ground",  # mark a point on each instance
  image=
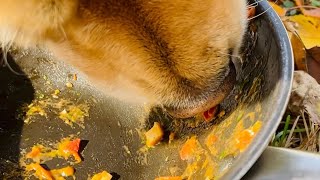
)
(299, 128)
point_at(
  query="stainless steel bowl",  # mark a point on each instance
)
(112, 140)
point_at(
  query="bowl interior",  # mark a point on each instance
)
(112, 130)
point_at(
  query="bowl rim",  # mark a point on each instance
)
(242, 165)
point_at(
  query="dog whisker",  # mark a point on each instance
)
(235, 56)
(255, 4)
(227, 54)
(5, 62)
(61, 29)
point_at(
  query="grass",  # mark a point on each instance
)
(297, 132)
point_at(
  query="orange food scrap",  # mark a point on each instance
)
(75, 77)
(40, 172)
(169, 178)
(239, 127)
(34, 153)
(245, 137)
(74, 114)
(74, 145)
(209, 172)
(251, 116)
(256, 126)
(67, 148)
(171, 137)
(221, 113)
(104, 175)
(211, 139)
(209, 166)
(191, 169)
(190, 149)
(154, 135)
(63, 172)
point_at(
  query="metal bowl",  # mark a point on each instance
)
(111, 131)
(274, 51)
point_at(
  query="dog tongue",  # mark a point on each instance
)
(210, 114)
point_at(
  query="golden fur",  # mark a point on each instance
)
(169, 52)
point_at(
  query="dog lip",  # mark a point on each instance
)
(215, 99)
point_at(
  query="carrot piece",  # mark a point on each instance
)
(35, 151)
(40, 172)
(73, 148)
(63, 172)
(104, 175)
(245, 137)
(256, 126)
(211, 139)
(154, 135)
(74, 145)
(67, 148)
(189, 148)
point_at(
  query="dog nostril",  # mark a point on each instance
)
(214, 99)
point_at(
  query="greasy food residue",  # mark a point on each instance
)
(63, 109)
(69, 84)
(74, 114)
(34, 160)
(34, 110)
(191, 149)
(67, 148)
(244, 138)
(205, 161)
(42, 173)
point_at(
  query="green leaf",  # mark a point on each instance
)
(288, 4)
(293, 12)
(315, 3)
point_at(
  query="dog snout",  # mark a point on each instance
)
(213, 98)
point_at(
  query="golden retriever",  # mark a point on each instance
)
(174, 53)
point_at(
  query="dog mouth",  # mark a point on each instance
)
(212, 101)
